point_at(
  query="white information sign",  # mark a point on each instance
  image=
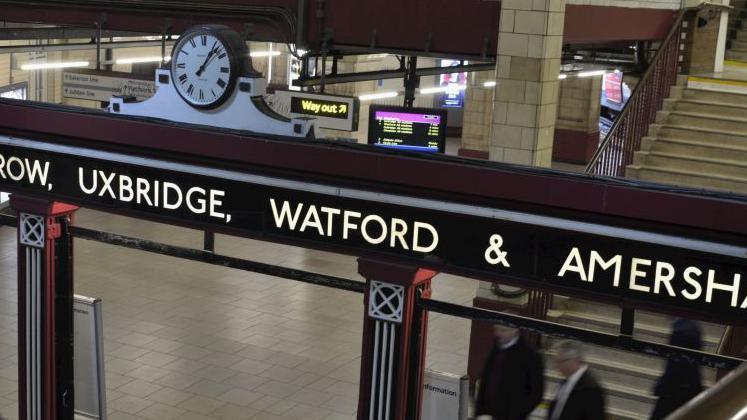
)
(100, 86)
(90, 388)
(445, 396)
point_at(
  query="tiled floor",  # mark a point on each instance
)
(191, 341)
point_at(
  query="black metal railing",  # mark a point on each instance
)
(621, 342)
(617, 149)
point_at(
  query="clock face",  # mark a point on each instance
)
(202, 69)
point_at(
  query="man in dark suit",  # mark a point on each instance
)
(512, 381)
(681, 380)
(579, 397)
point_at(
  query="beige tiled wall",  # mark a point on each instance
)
(528, 63)
(579, 105)
(478, 112)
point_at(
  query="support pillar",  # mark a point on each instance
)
(45, 309)
(478, 115)
(394, 339)
(577, 125)
(526, 93)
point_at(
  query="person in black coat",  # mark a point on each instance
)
(513, 379)
(681, 380)
(579, 397)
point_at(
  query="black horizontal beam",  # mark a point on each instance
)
(8, 34)
(217, 259)
(208, 257)
(389, 74)
(79, 46)
(597, 338)
(620, 342)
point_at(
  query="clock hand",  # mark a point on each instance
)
(210, 55)
(211, 58)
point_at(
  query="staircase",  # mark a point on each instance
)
(628, 378)
(737, 39)
(698, 140)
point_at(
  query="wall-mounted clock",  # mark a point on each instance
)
(205, 64)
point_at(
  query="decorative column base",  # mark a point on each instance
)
(45, 309)
(394, 339)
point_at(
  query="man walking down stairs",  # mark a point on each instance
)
(737, 43)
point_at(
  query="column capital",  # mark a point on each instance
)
(399, 274)
(40, 206)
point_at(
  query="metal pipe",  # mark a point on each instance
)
(79, 46)
(391, 74)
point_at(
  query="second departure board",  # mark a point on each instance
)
(418, 129)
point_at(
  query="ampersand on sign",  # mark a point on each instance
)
(493, 254)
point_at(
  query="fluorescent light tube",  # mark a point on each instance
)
(264, 53)
(140, 60)
(379, 95)
(592, 73)
(58, 65)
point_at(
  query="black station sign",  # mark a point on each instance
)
(618, 263)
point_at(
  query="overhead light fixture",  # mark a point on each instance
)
(379, 95)
(439, 89)
(562, 76)
(58, 65)
(592, 73)
(264, 53)
(490, 83)
(135, 60)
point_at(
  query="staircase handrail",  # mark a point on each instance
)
(638, 88)
(727, 400)
(724, 340)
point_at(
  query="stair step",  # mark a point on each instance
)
(722, 98)
(716, 137)
(730, 168)
(698, 148)
(736, 55)
(540, 413)
(625, 374)
(741, 35)
(553, 380)
(689, 179)
(738, 45)
(613, 313)
(643, 331)
(716, 122)
(712, 107)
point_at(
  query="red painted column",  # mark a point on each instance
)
(45, 309)
(394, 338)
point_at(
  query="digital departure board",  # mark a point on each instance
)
(417, 129)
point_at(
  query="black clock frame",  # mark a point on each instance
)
(238, 58)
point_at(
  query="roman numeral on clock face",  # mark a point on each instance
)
(190, 89)
(192, 43)
(221, 83)
(183, 78)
